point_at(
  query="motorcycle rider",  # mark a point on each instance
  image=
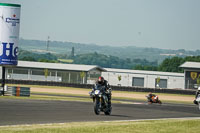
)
(196, 95)
(101, 81)
(150, 96)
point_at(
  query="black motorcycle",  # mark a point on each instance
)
(100, 100)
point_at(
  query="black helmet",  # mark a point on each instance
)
(100, 80)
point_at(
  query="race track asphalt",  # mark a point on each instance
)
(19, 111)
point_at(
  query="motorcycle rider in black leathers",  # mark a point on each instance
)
(101, 81)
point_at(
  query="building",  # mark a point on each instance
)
(40, 71)
(148, 79)
(191, 75)
(88, 74)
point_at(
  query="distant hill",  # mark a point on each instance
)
(132, 52)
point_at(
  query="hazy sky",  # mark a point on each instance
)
(168, 24)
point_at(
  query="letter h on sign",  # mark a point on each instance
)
(8, 51)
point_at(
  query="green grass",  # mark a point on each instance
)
(163, 101)
(60, 98)
(87, 99)
(88, 90)
(150, 126)
(159, 94)
(73, 88)
(50, 87)
(57, 98)
(44, 97)
(62, 94)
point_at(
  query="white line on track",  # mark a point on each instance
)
(49, 124)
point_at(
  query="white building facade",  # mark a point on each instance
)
(55, 72)
(147, 79)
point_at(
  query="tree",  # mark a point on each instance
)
(171, 65)
(119, 77)
(27, 58)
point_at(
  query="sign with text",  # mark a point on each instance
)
(9, 33)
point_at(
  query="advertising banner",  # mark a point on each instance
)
(9, 33)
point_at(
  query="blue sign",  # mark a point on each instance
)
(8, 56)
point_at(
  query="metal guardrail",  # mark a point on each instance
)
(21, 91)
(8, 91)
(17, 91)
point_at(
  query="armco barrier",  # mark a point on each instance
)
(8, 91)
(21, 91)
(17, 91)
(89, 86)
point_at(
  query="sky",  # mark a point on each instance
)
(166, 24)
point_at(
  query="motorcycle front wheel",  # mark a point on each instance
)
(96, 106)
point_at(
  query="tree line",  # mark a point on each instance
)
(108, 61)
(169, 64)
(32, 56)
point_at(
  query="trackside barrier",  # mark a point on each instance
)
(89, 86)
(21, 91)
(8, 91)
(17, 91)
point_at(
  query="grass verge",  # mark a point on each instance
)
(73, 88)
(149, 126)
(58, 98)
(50, 87)
(46, 97)
(87, 99)
(142, 98)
